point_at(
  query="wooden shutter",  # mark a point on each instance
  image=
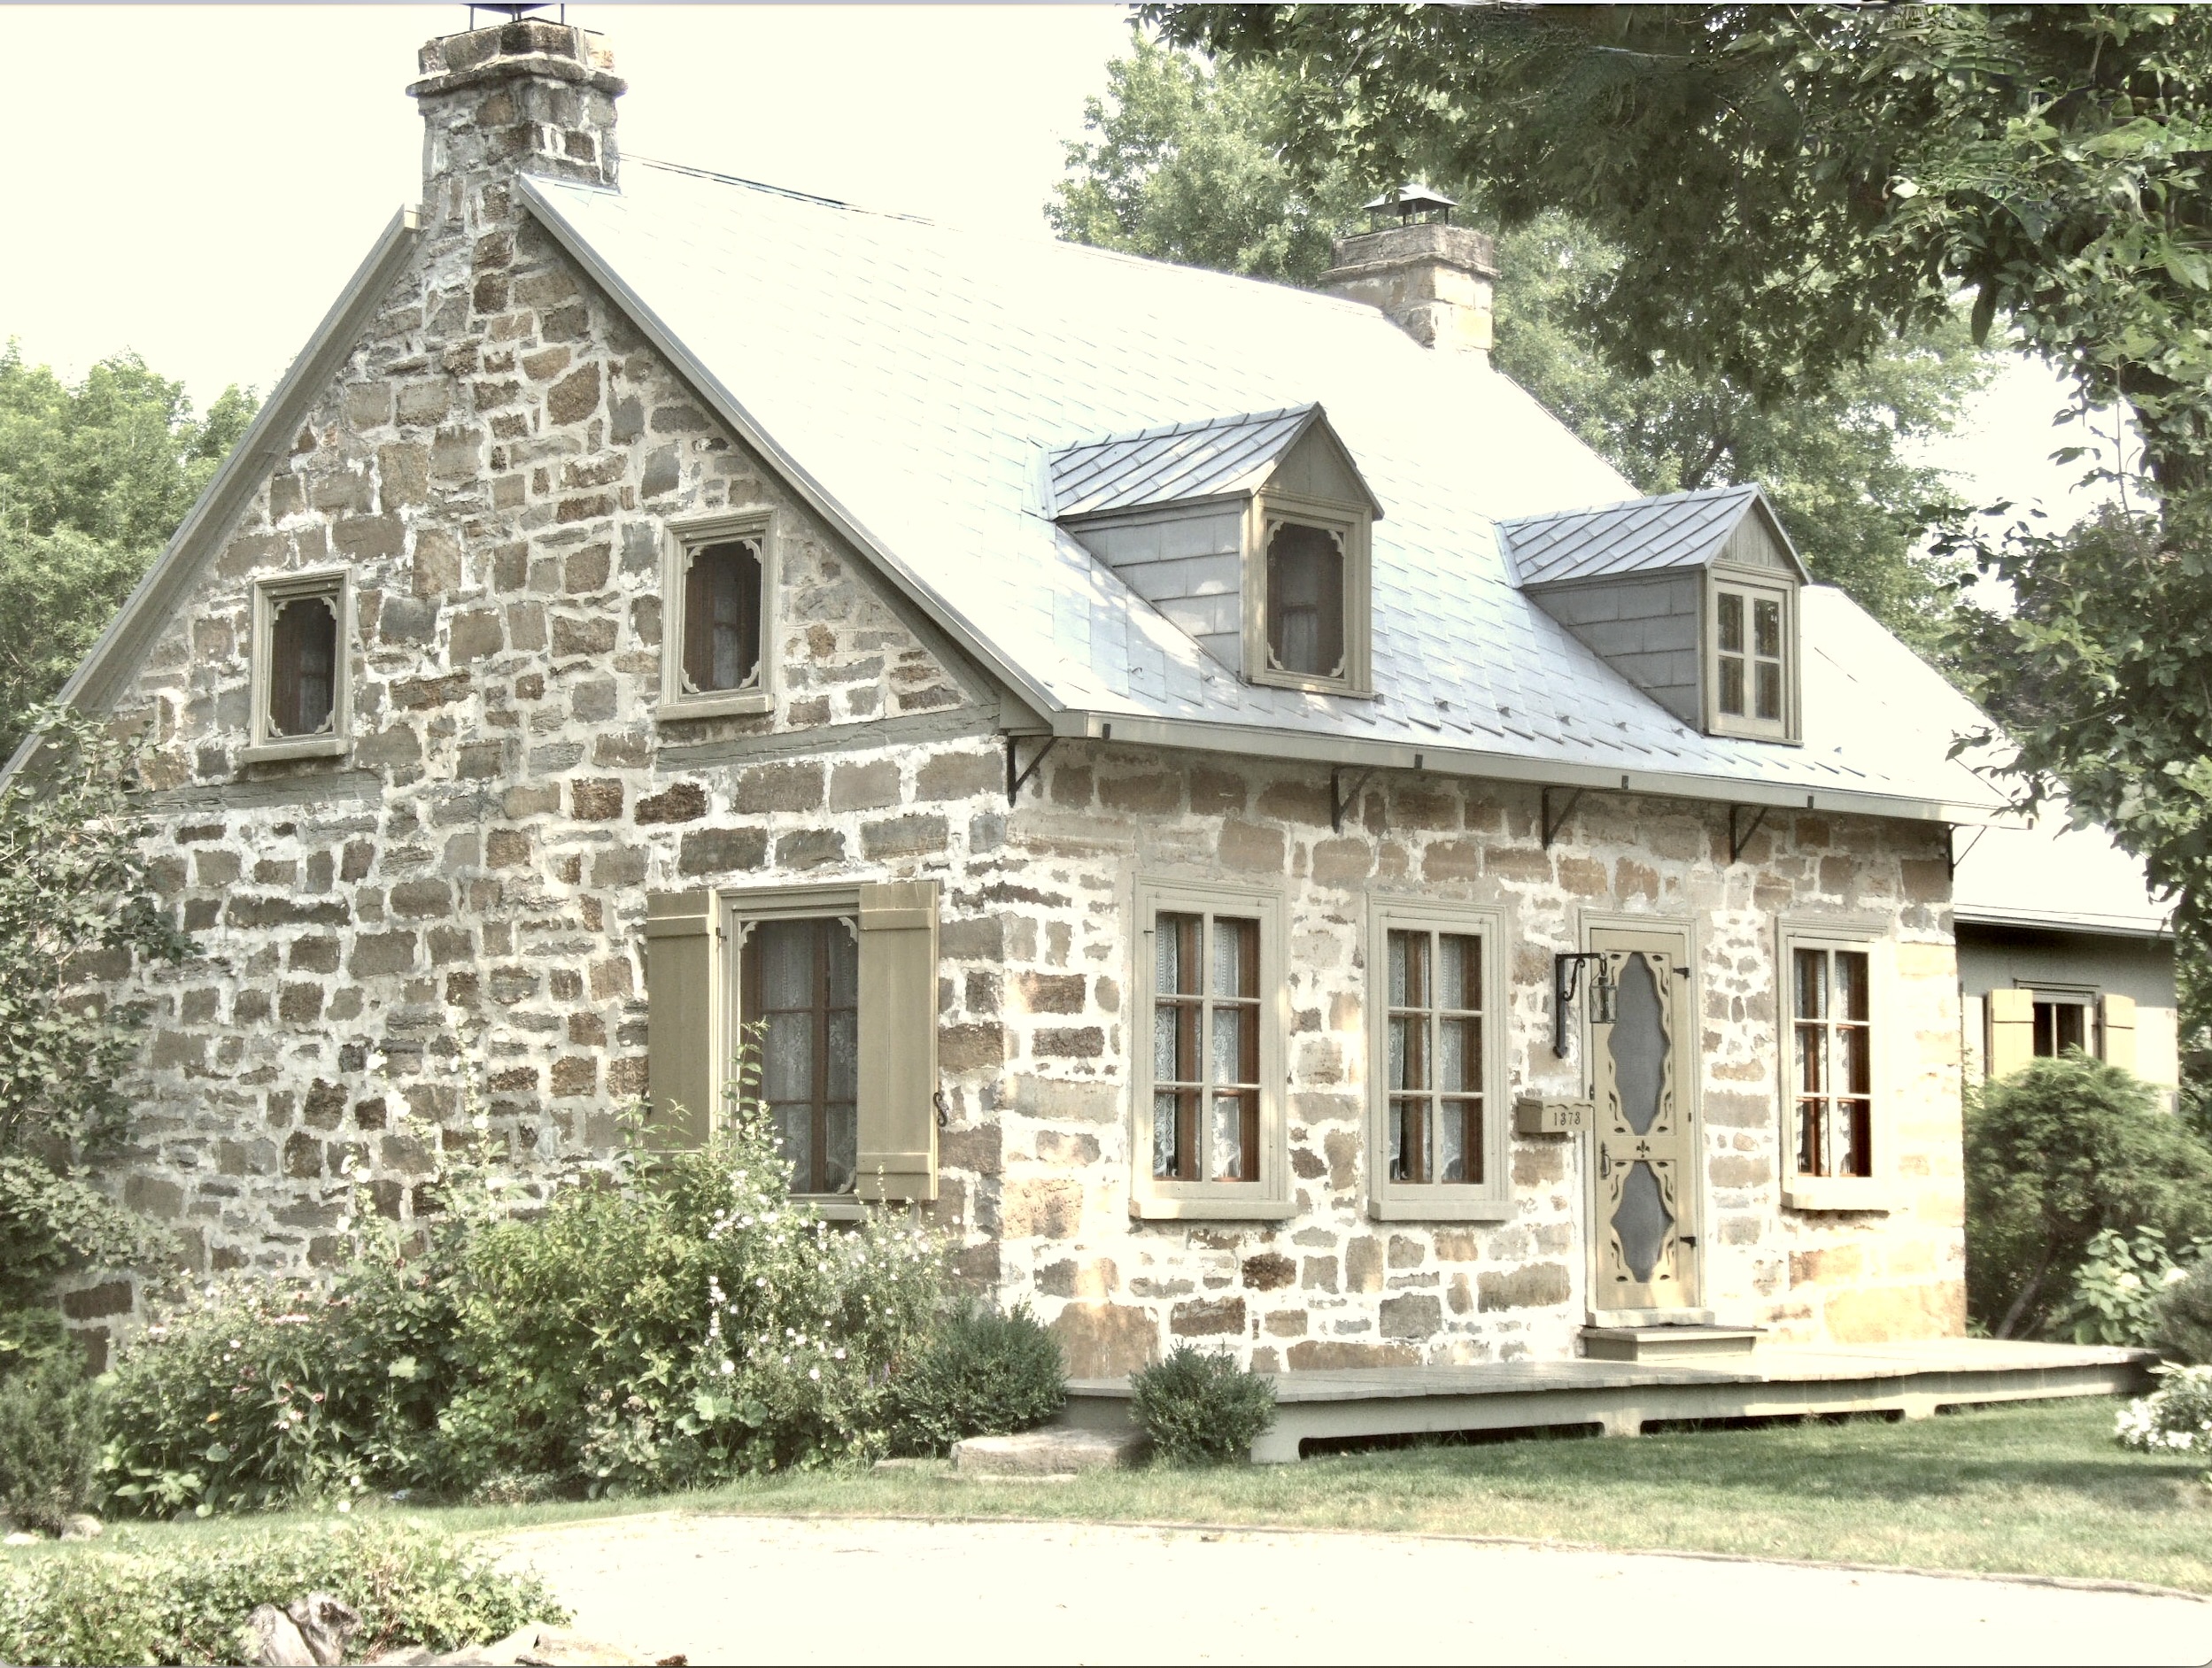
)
(2116, 1017)
(897, 1046)
(2012, 1030)
(684, 1016)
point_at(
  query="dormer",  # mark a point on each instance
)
(1250, 533)
(1692, 597)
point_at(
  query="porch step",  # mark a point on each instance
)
(1667, 1343)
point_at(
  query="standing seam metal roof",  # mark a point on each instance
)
(1210, 459)
(1683, 529)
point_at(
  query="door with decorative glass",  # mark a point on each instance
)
(1646, 1175)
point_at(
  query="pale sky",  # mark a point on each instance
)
(196, 181)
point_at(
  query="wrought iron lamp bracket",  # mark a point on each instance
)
(1567, 978)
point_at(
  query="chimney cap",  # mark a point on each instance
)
(1416, 200)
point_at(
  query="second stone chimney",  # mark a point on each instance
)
(1433, 279)
(527, 96)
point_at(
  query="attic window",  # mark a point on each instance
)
(302, 707)
(1305, 600)
(717, 598)
(1752, 678)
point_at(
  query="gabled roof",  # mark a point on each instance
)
(1217, 456)
(1683, 529)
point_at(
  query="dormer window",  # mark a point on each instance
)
(1750, 633)
(1250, 532)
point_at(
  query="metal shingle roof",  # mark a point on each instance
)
(1209, 459)
(1683, 529)
(908, 374)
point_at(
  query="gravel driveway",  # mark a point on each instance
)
(726, 1589)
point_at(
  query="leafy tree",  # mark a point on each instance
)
(2057, 1153)
(1790, 188)
(93, 479)
(1187, 162)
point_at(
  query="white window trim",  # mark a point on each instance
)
(270, 595)
(739, 907)
(1492, 1201)
(1753, 582)
(680, 537)
(1352, 527)
(1269, 1197)
(1877, 1192)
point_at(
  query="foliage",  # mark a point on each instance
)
(1201, 1408)
(2118, 1289)
(1791, 187)
(184, 1601)
(49, 1442)
(2056, 1154)
(51, 1223)
(2184, 1317)
(657, 1327)
(1185, 162)
(93, 479)
(980, 1373)
(2175, 1418)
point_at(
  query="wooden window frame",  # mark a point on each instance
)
(1268, 1198)
(682, 536)
(746, 943)
(1875, 1192)
(1352, 527)
(1754, 585)
(1490, 1200)
(264, 746)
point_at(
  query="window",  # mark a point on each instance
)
(1209, 1108)
(1831, 975)
(1305, 600)
(301, 694)
(764, 992)
(2062, 1022)
(1438, 1142)
(1751, 690)
(1834, 1063)
(719, 579)
(799, 985)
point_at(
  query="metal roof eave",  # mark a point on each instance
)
(1206, 736)
(131, 634)
(2058, 921)
(818, 497)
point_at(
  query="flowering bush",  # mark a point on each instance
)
(2118, 1288)
(2176, 1418)
(661, 1325)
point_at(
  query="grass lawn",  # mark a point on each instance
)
(2034, 1489)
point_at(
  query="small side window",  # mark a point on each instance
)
(718, 589)
(302, 707)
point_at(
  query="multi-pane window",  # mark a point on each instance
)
(1305, 600)
(1748, 647)
(721, 617)
(799, 990)
(1435, 1111)
(303, 673)
(2062, 1022)
(1834, 1062)
(1206, 1018)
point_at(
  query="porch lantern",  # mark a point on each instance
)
(1566, 974)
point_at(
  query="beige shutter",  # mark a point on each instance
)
(684, 1016)
(898, 1040)
(2012, 1030)
(2116, 1018)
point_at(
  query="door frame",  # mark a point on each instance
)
(1690, 1087)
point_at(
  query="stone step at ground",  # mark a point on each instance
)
(1055, 1451)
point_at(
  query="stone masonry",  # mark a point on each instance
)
(438, 939)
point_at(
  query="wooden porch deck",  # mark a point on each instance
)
(1619, 1398)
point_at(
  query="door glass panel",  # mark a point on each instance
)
(1642, 1220)
(1639, 1044)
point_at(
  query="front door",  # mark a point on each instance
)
(1645, 1174)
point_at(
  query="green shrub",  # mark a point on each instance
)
(183, 1601)
(2057, 1153)
(981, 1373)
(2118, 1288)
(1201, 1408)
(50, 1441)
(2184, 1317)
(2175, 1418)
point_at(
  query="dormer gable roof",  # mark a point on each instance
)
(1187, 462)
(1642, 535)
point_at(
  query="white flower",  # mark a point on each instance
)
(727, 1367)
(814, 1373)
(2176, 1275)
(345, 1505)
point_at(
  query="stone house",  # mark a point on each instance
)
(1173, 773)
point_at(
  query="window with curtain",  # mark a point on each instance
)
(1305, 600)
(721, 617)
(1833, 1040)
(798, 999)
(1436, 1063)
(1206, 1017)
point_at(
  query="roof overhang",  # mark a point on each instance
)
(2060, 921)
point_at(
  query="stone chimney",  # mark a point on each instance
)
(527, 96)
(1433, 279)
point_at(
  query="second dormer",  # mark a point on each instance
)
(1692, 597)
(1251, 533)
